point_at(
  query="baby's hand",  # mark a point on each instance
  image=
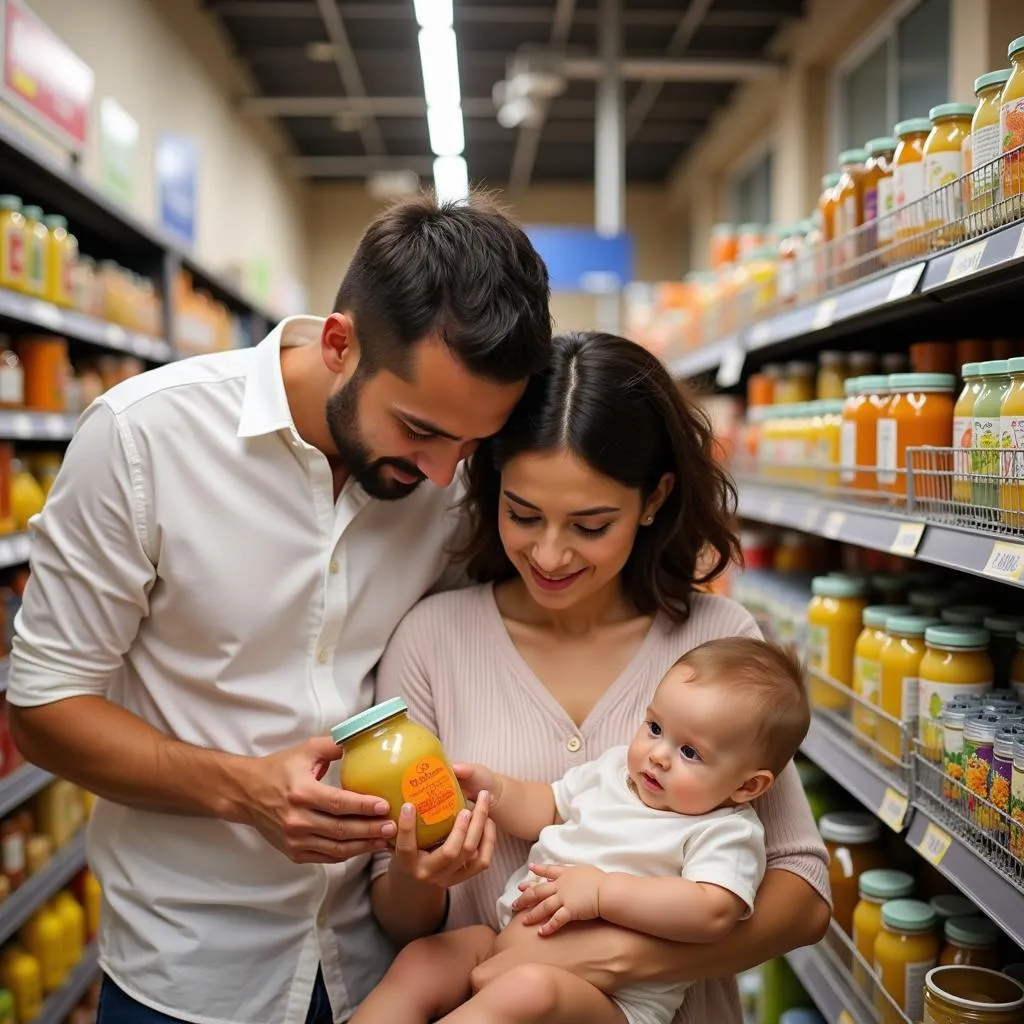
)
(566, 895)
(474, 778)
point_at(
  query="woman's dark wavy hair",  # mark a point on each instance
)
(613, 405)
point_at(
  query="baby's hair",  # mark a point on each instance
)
(771, 678)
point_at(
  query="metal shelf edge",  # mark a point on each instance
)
(829, 992)
(21, 785)
(60, 1003)
(15, 549)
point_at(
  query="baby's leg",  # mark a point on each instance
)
(534, 993)
(429, 978)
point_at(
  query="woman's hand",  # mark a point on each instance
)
(464, 854)
(476, 779)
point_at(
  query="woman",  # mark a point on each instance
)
(596, 515)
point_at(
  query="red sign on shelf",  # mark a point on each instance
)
(44, 78)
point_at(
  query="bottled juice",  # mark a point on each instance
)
(943, 166)
(909, 185)
(832, 376)
(1011, 441)
(849, 214)
(61, 258)
(879, 201)
(43, 937)
(12, 243)
(900, 657)
(986, 430)
(963, 413)
(1011, 131)
(20, 972)
(867, 665)
(834, 623)
(73, 918)
(37, 240)
(986, 147)
(906, 949)
(852, 839)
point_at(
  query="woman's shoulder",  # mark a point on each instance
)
(711, 618)
(448, 607)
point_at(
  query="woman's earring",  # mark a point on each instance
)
(649, 520)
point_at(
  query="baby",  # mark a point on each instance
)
(659, 837)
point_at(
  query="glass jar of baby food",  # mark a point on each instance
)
(853, 841)
(879, 202)
(952, 905)
(867, 666)
(971, 995)
(832, 375)
(930, 602)
(966, 614)
(848, 430)
(986, 146)
(1002, 647)
(971, 941)
(1011, 131)
(919, 415)
(876, 887)
(906, 949)
(834, 623)
(943, 166)
(1011, 441)
(963, 422)
(877, 397)
(12, 243)
(901, 655)
(387, 755)
(956, 661)
(850, 211)
(909, 186)
(985, 432)
(954, 713)
(890, 587)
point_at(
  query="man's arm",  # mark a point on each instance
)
(82, 609)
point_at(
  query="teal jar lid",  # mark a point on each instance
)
(953, 905)
(830, 180)
(33, 212)
(724, 229)
(951, 110)
(922, 381)
(986, 81)
(852, 156)
(930, 600)
(851, 386)
(885, 884)
(849, 827)
(830, 406)
(976, 930)
(875, 616)
(874, 382)
(908, 916)
(909, 625)
(367, 719)
(54, 221)
(912, 126)
(966, 614)
(9, 202)
(993, 367)
(889, 581)
(883, 144)
(1015, 47)
(837, 586)
(970, 370)
(1015, 365)
(960, 637)
(1004, 625)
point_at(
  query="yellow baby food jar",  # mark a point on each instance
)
(834, 623)
(853, 842)
(867, 666)
(906, 949)
(971, 995)
(877, 887)
(387, 755)
(900, 656)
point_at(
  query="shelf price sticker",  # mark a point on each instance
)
(1005, 561)
(810, 517)
(833, 524)
(966, 261)
(893, 810)
(904, 282)
(824, 314)
(731, 367)
(908, 538)
(934, 844)
(760, 334)
(775, 509)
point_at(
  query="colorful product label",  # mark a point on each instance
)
(1017, 812)
(13, 267)
(1011, 436)
(977, 766)
(1000, 783)
(913, 988)
(12, 386)
(817, 648)
(908, 182)
(847, 450)
(885, 438)
(985, 148)
(941, 173)
(886, 208)
(35, 268)
(867, 675)
(986, 434)
(911, 699)
(953, 759)
(430, 787)
(850, 225)
(932, 698)
(1011, 134)
(962, 439)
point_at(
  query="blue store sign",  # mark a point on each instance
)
(177, 182)
(581, 260)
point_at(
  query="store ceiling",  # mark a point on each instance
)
(344, 81)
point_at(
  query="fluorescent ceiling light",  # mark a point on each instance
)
(440, 61)
(433, 13)
(451, 179)
(447, 135)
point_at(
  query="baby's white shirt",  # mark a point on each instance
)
(606, 825)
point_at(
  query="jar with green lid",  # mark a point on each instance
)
(12, 243)
(889, 587)
(909, 186)
(875, 888)
(966, 614)
(833, 625)
(930, 602)
(952, 905)
(850, 212)
(971, 995)
(853, 841)
(867, 666)
(906, 949)
(1011, 134)
(985, 150)
(985, 433)
(920, 415)
(971, 941)
(963, 422)
(879, 200)
(979, 740)
(955, 662)
(943, 168)
(954, 714)
(1011, 440)
(1002, 647)
(1017, 803)
(1000, 780)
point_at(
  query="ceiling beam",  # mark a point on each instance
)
(674, 69)
(357, 166)
(361, 106)
(348, 70)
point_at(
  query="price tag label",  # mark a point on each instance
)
(760, 334)
(893, 810)
(774, 509)
(908, 537)
(1005, 561)
(810, 517)
(934, 844)
(22, 426)
(731, 367)
(56, 426)
(116, 336)
(966, 261)
(45, 313)
(824, 314)
(834, 524)
(905, 281)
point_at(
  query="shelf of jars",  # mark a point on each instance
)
(59, 1004)
(20, 785)
(964, 237)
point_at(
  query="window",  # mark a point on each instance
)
(901, 71)
(752, 193)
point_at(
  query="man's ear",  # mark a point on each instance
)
(338, 344)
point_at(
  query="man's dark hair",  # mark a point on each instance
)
(465, 272)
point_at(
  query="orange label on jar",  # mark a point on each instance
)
(428, 785)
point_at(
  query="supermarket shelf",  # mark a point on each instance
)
(72, 324)
(970, 872)
(976, 266)
(25, 900)
(36, 426)
(831, 993)
(21, 785)
(59, 1004)
(5, 668)
(14, 549)
(946, 546)
(703, 359)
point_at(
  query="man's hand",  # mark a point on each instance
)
(464, 854)
(568, 894)
(307, 820)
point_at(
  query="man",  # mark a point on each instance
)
(214, 576)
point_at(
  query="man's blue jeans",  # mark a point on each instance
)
(118, 1008)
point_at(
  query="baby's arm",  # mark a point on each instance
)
(519, 808)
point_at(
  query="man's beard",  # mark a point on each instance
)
(368, 472)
